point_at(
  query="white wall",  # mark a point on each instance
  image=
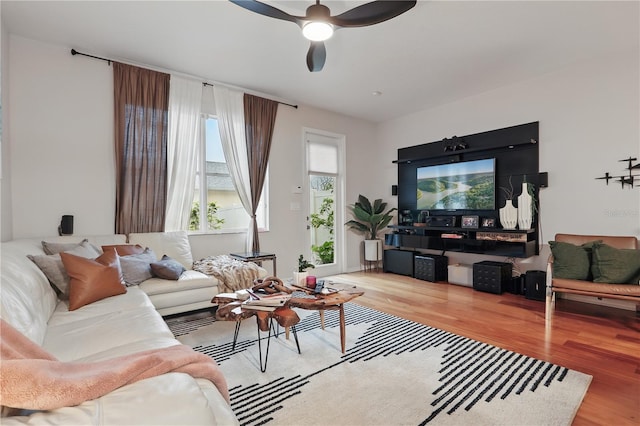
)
(5, 169)
(62, 155)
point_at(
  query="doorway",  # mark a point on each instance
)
(325, 184)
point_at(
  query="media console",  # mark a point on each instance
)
(489, 241)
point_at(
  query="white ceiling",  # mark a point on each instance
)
(438, 52)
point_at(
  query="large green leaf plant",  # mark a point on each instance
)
(369, 219)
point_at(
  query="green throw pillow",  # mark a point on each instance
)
(571, 261)
(615, 266)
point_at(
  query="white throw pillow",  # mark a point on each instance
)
(173, 244)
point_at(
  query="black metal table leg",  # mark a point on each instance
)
(235, 335)
(263, 368)
(295, 336)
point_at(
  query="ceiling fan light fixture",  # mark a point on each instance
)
(317, 30)
(318, 24)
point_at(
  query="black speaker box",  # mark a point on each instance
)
(492, 277)
(432, 268)
(535, 285)
(516, 285)
(543, 179)
(66, 225)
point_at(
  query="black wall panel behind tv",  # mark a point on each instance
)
(515, 150)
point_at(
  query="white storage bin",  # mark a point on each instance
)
(461, 274)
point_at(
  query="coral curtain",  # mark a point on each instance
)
(141, 116)
(185, 104)
(230, 110)
(259, 118)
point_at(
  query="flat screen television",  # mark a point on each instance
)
(467, 185)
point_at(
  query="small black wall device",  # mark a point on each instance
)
(66, 225)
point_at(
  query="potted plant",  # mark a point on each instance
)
(300, 277)
(369, 219)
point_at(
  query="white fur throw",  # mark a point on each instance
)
(233, 274)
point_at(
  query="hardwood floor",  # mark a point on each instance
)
(600, 341)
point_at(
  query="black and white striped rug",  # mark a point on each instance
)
(394, 372)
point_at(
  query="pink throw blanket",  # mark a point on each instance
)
(31, 378)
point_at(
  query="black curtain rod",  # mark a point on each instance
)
(283, 103)
(75, 52)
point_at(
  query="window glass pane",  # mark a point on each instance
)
(194, 219)
(224, 211)
(322, 218)
(214, 145)
(323, 158)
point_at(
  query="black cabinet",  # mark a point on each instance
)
(399, 262)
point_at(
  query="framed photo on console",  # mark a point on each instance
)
(470, 221)
(488, 222)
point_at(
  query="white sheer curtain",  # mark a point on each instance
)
(185, 100)
(230, 110)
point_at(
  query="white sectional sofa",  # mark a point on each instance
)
(114, 326)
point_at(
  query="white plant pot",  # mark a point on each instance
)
(525, 208)
(300, 278)
(509, 215)
(372, 250)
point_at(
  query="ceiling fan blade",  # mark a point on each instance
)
(372, 13)
(266, 10)
(316, 56)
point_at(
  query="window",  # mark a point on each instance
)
(214, 188)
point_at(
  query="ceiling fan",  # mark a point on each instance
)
(318, 24)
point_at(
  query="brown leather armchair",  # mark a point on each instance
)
(589, 288)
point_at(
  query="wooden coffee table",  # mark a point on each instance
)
(327, 302)
(230, 309)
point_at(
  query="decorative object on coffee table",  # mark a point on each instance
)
(300, 276)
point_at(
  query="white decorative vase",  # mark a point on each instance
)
(525, 208)
(300, 278)
(372, 250)
(509, 215)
